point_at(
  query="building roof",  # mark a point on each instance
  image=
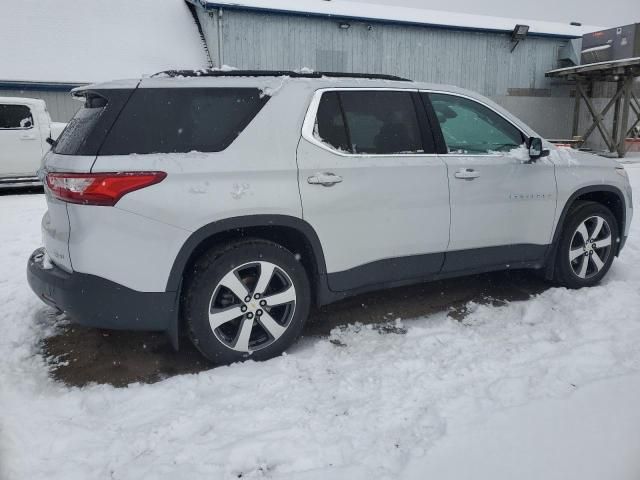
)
(82, 41)
(343, 9)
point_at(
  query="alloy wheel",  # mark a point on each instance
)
(252, 306)
(590, 247)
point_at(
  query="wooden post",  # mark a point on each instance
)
(635, 106)
(598, 119)
(616, 110)
(624, 121)
(576, 113)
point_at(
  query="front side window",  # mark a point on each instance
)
(15, 117)
(369, 122)
(170, 120)
(471, 128)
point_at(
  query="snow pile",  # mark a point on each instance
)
(366, 403)
(90, 40)
(590, 435)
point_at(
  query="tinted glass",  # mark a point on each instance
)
(329, 126)
(159, 120)
(15, 116)
(469, 127)
(76, 132)
(381, 122)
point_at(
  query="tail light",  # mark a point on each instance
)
(99, 188)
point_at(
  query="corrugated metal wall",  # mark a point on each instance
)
(475, 60)
(60, 104)
(479, 61)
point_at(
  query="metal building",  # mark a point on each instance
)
(471, 51)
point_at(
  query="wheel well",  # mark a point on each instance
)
(611, 200)
(290, 238)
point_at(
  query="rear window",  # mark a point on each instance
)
(179, 120)
(76, 134)
(15, 116)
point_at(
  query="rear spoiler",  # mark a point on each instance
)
(80, 92)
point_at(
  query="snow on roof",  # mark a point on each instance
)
(393, 13)
(79, 41)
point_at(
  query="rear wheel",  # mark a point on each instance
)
(587, 245)
(246, 300)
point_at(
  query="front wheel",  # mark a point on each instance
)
(587, 245)
(246, 300)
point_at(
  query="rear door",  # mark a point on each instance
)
(372, 187)
(502, 205)
(20, 146)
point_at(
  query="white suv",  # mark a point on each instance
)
(226, 204)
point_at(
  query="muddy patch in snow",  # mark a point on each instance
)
(80, 356)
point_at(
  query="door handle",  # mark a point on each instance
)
(26, 136)
(326, 179)
(467, 174)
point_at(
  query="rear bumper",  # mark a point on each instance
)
(97, 302)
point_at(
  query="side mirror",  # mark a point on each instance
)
(535, 148)
(51, 141)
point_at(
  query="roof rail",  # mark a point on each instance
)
(275, 73)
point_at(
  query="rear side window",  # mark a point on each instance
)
(76, 134)
(169, 120)
(369, 122)
(469, 127)
(15, 117)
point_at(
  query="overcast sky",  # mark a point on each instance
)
(604, 13)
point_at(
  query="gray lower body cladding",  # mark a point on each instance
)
(97, 302)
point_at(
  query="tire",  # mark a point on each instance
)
(226, 328)
(585, 219)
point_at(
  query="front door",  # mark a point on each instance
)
(502, 204)
(372, 187)
(20, 146)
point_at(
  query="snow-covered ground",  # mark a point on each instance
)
(546, 388)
